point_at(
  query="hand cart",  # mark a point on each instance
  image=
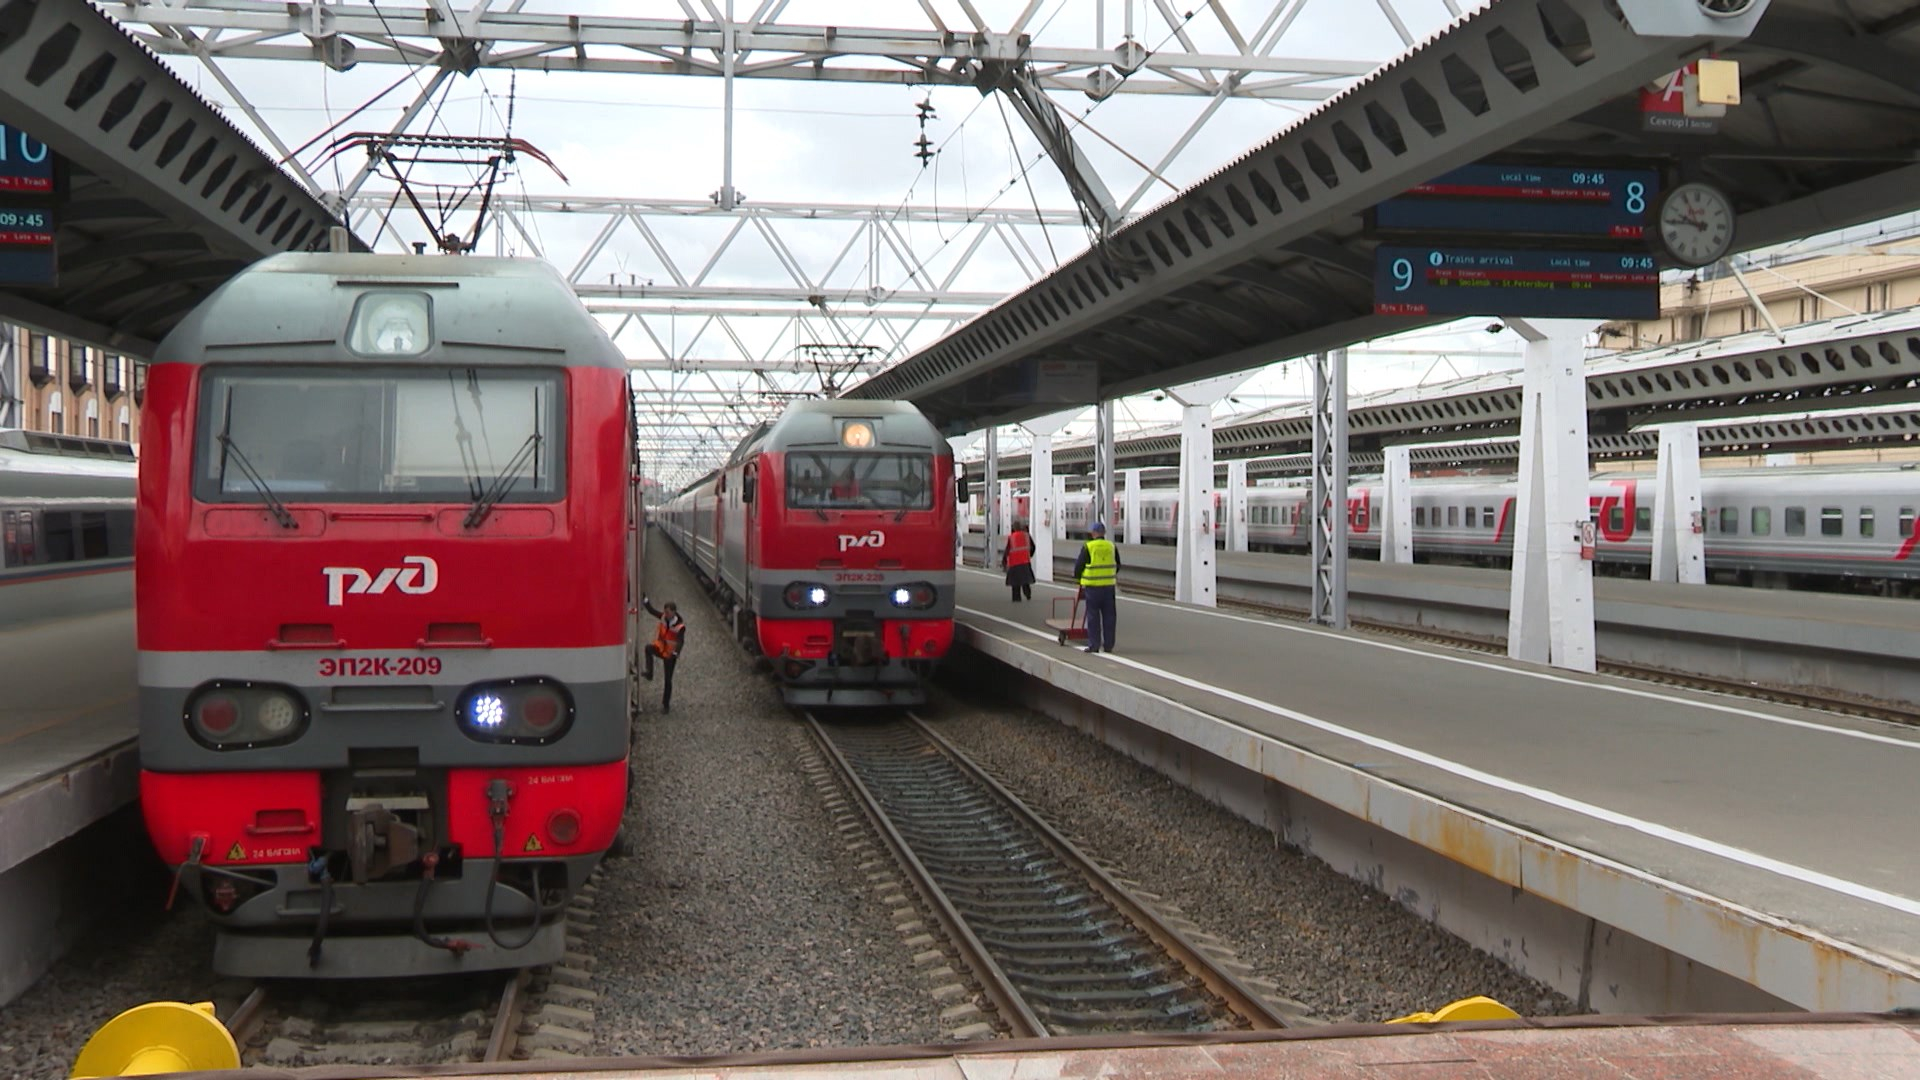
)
(1074, 626)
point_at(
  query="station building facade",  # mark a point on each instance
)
(62, 387)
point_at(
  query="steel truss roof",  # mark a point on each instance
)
(164, 198)
(1842, 364)
(473, 37)
(1270, 259)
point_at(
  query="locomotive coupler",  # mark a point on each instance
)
(378, 842)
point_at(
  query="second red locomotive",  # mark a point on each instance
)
(829, 534)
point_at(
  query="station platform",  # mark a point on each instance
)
(1855, 645)
(1761, 842)
(1592, 1048)
(68, 759)
(67, 728)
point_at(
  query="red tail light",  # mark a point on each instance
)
(217, 715)
(563, 827)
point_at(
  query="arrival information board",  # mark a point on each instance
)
(1522, 199)
(1515, 283)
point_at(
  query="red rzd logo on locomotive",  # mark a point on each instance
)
(416, 574)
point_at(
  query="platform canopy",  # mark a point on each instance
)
(1271, 258)
(158, 198)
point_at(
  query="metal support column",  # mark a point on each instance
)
(990, 500)
(1330, 489)
(1130, 510)
(1237, 523)
(1550, 614)
(1043, 504)
(1102, 464)
(1679, 519)
(1196, 573)
(726, 197)
(1396, 515)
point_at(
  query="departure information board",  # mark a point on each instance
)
(1428, 281)
(1523, 199)
(26, 165)
(26, 246)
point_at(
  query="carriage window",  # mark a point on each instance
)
(1453, 515)
(1616, 518)
(1471, 521)
(1643, 518)
(1906, 522)
(1730, 520)
(1486, 516)
(58, 542)
(1796, 521)
(1866, 522)
(365, 433)
(1762, 521)
(1833, 521)
(18, 534)
(1419, 517)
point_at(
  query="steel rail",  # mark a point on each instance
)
(1014, 1010)
(506, 1019)
(1222, 983)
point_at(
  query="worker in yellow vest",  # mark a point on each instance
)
(1098, 572)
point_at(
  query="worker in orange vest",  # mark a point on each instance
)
(1017, 560)
(668, 637)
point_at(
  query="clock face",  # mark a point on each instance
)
(1696, 224)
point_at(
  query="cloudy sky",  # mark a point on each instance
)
(661, 137)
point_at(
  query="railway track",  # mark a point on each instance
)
(445, 1020)
(1057, 945)
(1819, 700)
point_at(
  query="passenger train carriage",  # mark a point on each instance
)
(386, 580)
(829, 535)
(66, 527)
(1813, 526)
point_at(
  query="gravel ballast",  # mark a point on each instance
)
(1342, 950)
(740, 920)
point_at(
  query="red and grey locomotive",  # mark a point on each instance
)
(386, 558)
(829, 533)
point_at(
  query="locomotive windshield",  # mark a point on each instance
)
(371, 434)
(842, 481)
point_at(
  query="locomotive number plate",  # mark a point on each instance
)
(378, 667)
(861, 576)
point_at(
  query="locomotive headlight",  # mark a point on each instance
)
(276, 714)
(244, 715)
(523, 712)
(488, 711)
(387, 323)
(806, 594)
(917, 596)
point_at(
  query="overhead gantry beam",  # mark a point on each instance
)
(474, 37)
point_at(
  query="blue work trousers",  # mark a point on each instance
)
(1102, 613)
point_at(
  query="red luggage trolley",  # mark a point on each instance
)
(1074, 626)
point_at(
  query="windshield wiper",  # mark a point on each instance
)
(502, 483)
(228, 447)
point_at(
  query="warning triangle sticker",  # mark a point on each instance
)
(236, 852)
(532, 844)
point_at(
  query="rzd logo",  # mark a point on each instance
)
(417, 574)
(876, 538)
